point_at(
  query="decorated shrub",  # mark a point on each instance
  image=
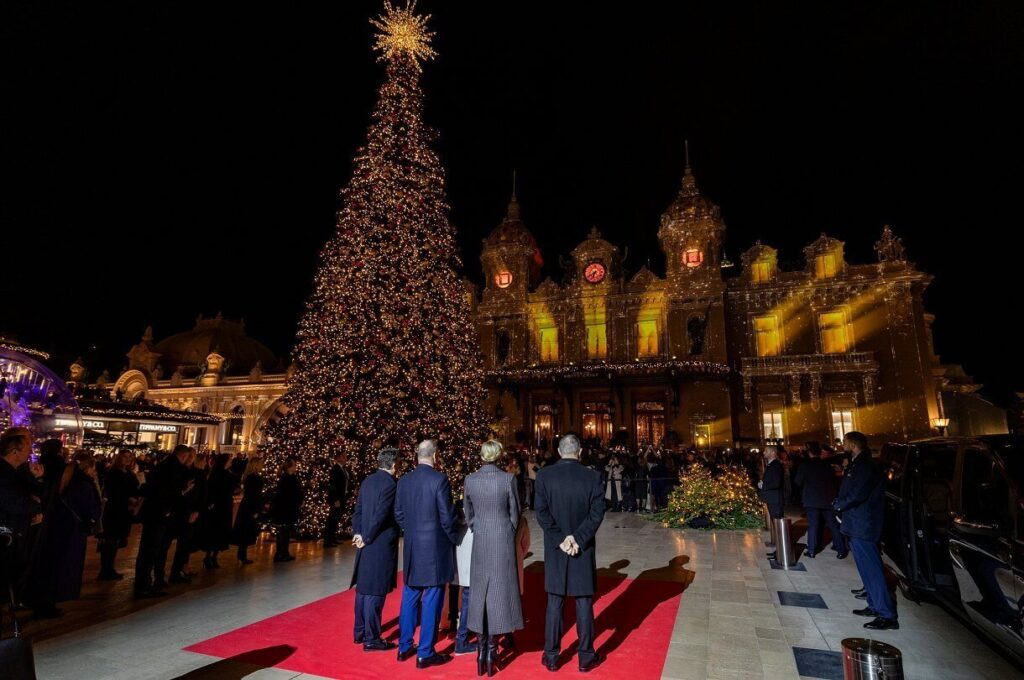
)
(701, 501)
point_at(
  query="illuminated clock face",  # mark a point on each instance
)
(503, 279)
(693, 257)
(594, 272)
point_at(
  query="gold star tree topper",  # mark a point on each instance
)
(402, 31)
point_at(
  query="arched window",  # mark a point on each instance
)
(235, 424)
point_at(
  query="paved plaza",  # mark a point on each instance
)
(731, 621)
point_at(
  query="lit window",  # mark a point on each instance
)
(647, 338)
(842, 422)
(766, 335)
(835, 335)
(549, 344)
(761, 271)
(503, 279)
(826, 265)
(771, 422)
(597, 341)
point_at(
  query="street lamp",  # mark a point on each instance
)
(940, 424)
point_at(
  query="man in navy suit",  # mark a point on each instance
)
(424, 510)
(376, 537)
(861, 503)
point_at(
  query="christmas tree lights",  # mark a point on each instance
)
(386, 352)
(725, 501)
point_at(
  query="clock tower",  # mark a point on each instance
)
(691, 237)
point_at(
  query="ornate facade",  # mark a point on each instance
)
(699, 359)
(215, 369)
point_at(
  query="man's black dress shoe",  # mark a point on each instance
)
(550, 665)
(407, 654)
(842, 555)
(435, 660)
(378, 646)
(861, 596)
(883, 624)
(867, 611)
(146, 594)
(592, 664)
(357, 640)
(858, 591)
(809, 554)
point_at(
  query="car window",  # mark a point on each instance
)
(985, 491)
(936, 469)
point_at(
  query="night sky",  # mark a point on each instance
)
(163, 160)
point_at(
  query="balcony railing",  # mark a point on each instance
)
(849, 362)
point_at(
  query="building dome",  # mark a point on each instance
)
(690, 205)
(511, 231)
(225, 337)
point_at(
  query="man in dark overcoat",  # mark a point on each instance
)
(570, 506)
(376, 537)
(818, 481)
(338, 492)
(772, 487)
(424, 510)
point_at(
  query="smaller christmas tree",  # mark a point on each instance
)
(726, 501)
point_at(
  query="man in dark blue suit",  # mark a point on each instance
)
(376, 537)
(424, 510)
(861, 503)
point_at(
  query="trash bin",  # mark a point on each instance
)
(865, 659)
(785, 551)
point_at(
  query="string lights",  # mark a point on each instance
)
(385, 352)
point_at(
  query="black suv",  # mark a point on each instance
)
(954, 526)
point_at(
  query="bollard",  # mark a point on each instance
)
(865, 659)
(785, 551)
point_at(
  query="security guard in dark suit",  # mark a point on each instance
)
(818, 480)
(861, 501)
(772, 487)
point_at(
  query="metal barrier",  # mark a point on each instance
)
(785, 550)
(865, 659)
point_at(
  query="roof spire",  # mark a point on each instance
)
(513, 204)
(686, 146)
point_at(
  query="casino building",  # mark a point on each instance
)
(692, 357)
(695, 358)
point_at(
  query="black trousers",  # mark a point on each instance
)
(584, 627)
(333, 520)
(368, 611)
(284, 534)
(183, 549)
(151, 546)
(108, 548)
(816, 519)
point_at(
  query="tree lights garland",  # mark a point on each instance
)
(385, 352)
(725, 501)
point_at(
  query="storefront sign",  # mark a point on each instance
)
(157, 427)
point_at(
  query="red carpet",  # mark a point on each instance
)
(634, 620)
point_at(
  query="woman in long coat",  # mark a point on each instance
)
(492, 511)
(247, 523)
(121, 497)
(215, 532)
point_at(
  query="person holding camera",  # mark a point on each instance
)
(20, 510)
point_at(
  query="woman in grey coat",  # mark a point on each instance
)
(492, 510)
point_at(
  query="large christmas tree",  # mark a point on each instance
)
(386, 352)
